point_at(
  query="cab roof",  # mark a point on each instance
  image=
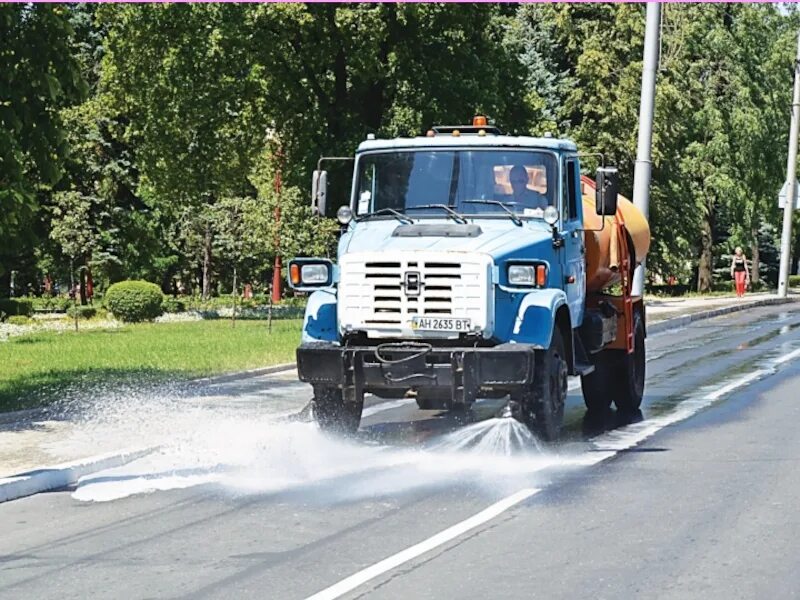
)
(446, 140)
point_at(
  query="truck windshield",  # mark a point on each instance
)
(523, 181)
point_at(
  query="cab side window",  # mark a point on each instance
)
(570, 188)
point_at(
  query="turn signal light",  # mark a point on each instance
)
(294, 273)
(541, 275)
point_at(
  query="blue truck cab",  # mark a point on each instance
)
(460, 274)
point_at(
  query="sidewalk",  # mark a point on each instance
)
(36, 438)
(660, 309)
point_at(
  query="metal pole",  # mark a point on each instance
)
(791, 175)
(276, 272)
(641, 174)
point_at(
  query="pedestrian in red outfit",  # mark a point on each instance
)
(739, 271)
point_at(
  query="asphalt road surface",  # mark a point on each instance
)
(695, 497)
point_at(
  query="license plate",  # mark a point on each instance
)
(440, 324)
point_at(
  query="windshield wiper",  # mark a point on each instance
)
(503, 205)
(458, 218)
(389, 211)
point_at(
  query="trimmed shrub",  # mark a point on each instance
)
(173, 305)
(134, 301)
(19, 320)
(84, 312)
(51, 303)
(794, 280)
(16, 306)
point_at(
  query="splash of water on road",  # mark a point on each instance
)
(238, 451)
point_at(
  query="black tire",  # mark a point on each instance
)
(428, 399)
(632, 369)
(598, 386)
(424, 403)
(543, 404)
(618, 376)
(333, 414)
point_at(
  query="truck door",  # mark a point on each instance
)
(574, 253)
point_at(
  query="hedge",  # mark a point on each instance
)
(173, 305)
(19, 320)
(16, 306)
(84, 312)
(134, 301)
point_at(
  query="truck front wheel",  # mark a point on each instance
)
(543, 403)
(332, 413)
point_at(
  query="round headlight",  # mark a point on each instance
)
(344, 215)
(551, 215)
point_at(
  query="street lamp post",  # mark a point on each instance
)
(791, 173)
(641, 174)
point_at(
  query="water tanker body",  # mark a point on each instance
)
(604, 249)
(473, 264)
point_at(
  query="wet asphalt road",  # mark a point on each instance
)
(706, 506)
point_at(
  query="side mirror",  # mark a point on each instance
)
(607, 181)
(319, 192)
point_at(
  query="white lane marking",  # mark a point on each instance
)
(605, 447)
(631, 435)
(787, 357)
(387, 564)
(741, 382)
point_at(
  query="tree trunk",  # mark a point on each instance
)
(706, 257)
(207, 263)
(233, 316)
(755, 274)
(82, 285)
(72, 291)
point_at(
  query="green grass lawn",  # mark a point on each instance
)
(35, 369)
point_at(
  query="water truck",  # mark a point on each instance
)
(474, 264)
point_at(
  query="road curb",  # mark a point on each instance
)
(683, 321)
(235, 376)
(65, 474)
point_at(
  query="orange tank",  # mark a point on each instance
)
(604, 248)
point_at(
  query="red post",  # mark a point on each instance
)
(276, 273)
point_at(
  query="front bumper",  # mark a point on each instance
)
(406, 365)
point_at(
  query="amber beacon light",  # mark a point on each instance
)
(479, 121)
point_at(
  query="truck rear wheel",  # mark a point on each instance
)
(332, 413)
(632, 371)
(598, 386)
(543, 404)
(618, 376)
(431, 400)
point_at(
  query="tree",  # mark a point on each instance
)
(38, 74)
(182, 74)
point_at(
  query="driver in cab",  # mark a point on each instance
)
(523, 196)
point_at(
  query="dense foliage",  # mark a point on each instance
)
(147, 141)
(134, 301)
(13, 307)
